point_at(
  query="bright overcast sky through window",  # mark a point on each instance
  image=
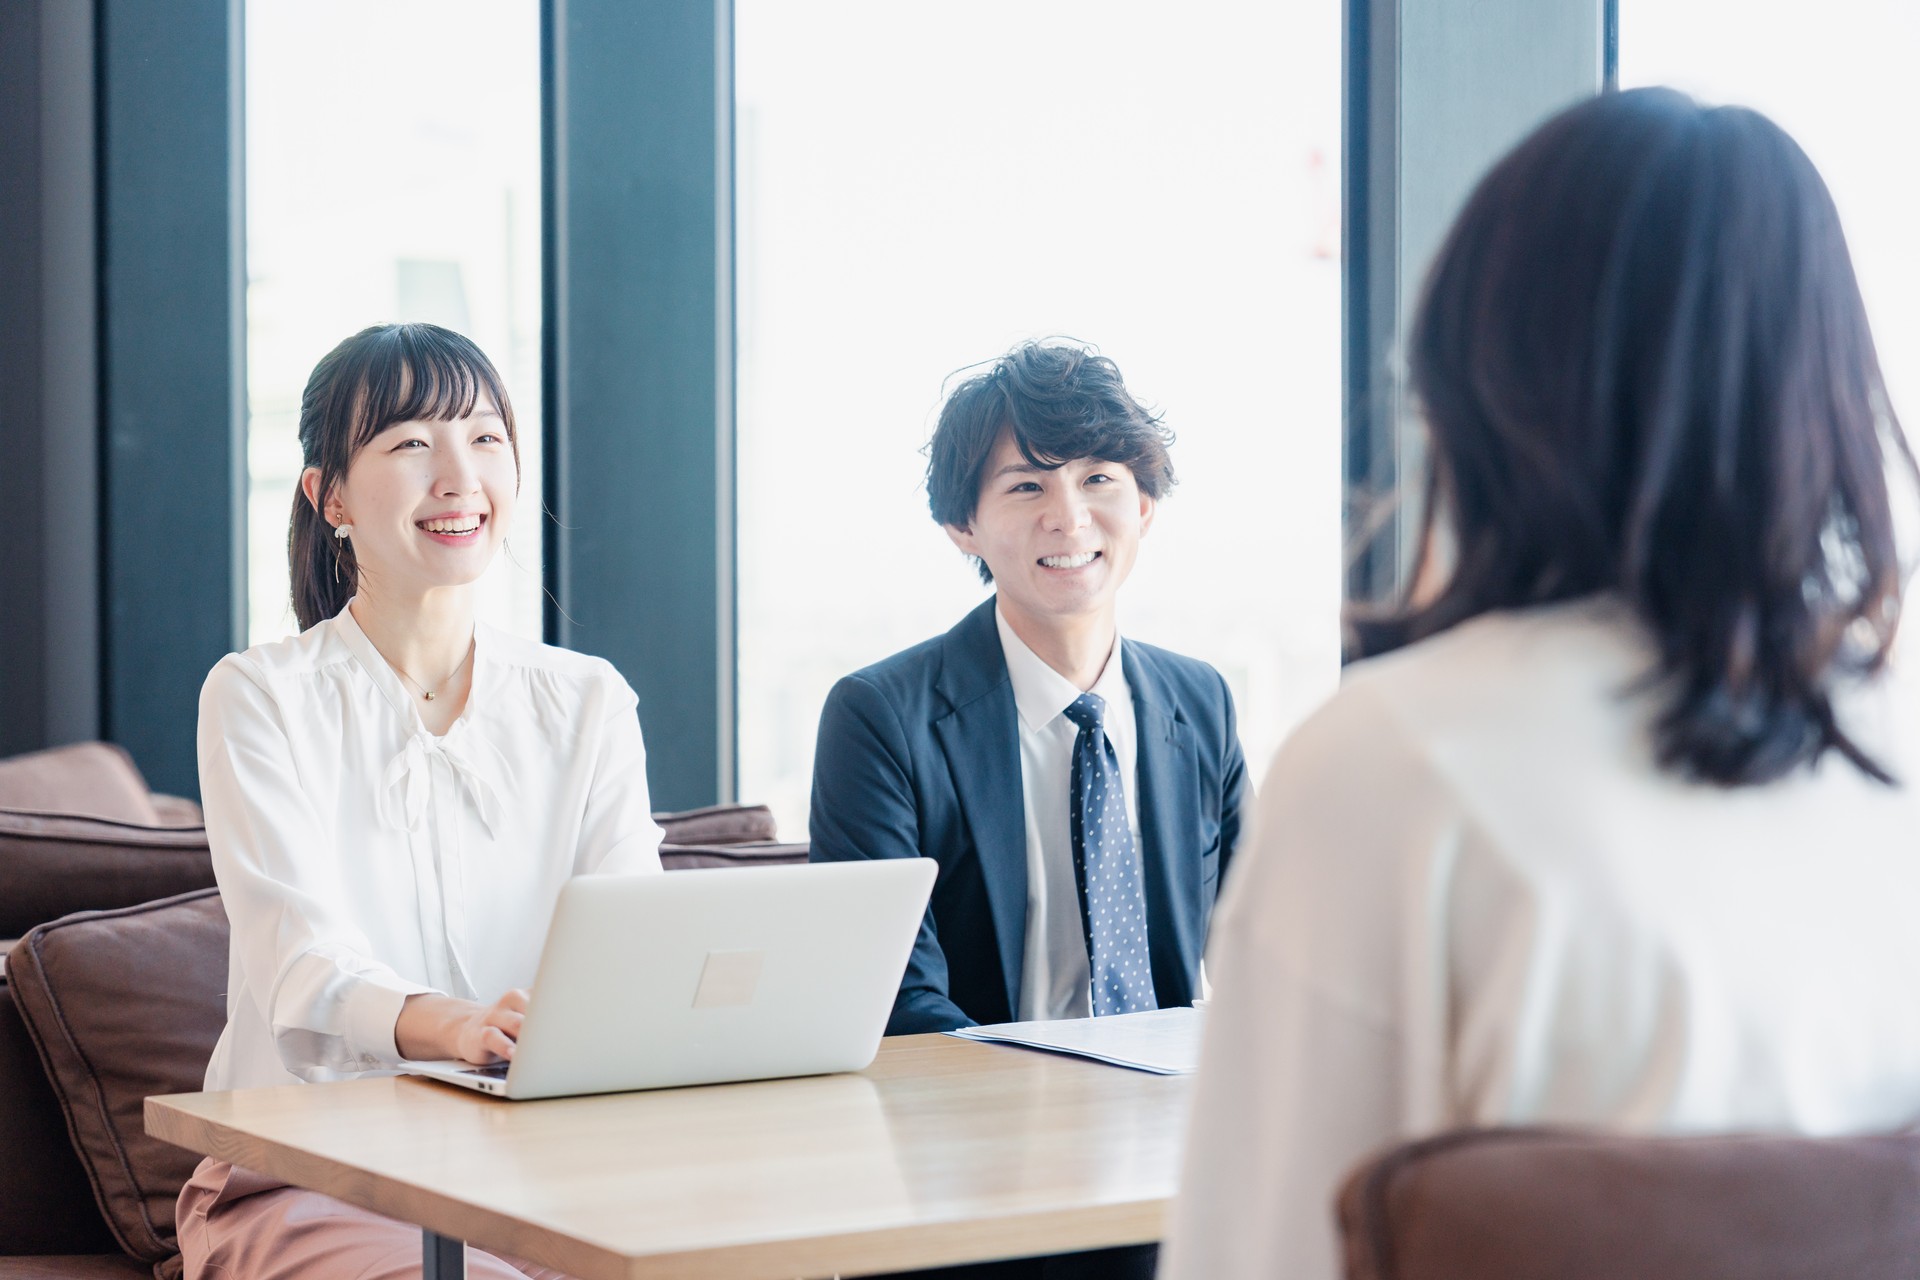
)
(923, 185)
(381, 186)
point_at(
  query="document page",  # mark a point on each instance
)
(1163, 1041)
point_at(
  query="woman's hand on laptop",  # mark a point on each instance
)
(436, 1026)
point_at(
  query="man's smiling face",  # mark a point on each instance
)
(1059, 542)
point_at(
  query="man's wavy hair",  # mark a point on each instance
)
(1060, 402)
(1646, 369)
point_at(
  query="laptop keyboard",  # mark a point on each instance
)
(498, 1071)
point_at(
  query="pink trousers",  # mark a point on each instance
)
(235, 1224)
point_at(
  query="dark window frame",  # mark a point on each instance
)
(1435, 91)
(639, 366)
(172, 369)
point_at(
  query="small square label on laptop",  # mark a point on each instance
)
(728, 978)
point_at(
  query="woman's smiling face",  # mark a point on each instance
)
(429, 502)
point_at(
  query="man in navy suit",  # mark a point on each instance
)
(1082, 794)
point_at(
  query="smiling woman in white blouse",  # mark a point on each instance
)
(1617, 825)
(395, 795)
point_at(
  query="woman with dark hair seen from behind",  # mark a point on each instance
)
(394, 796)
(1617, 828)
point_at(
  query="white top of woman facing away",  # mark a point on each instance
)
(363, 859)
(1473, 898)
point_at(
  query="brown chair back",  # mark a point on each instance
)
(1533, 1204)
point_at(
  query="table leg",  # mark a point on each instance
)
(441, 1257)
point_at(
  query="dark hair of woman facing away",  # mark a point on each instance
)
(383, 375)
(1060, 402)
(1646, 369)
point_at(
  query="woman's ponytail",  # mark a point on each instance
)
(322, 567)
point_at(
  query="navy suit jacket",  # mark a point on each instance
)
(919, 756)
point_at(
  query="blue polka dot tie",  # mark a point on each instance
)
(1113, 907)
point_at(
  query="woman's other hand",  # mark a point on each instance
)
(435, 1026)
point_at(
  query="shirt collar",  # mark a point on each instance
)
(388, 681)
(1039, 692)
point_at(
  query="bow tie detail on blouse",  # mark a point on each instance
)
(408, 779)
(439, 864)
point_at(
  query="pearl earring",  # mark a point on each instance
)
(341, 531)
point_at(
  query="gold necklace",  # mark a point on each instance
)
(427, 693)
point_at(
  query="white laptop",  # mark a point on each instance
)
(700, 977)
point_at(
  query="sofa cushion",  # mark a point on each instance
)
(46, 1205)
(123, 1005)
(52, 865)
(718, 824)
(752, 853)
(1531, 1204)
(94, 779)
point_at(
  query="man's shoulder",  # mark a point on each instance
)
(1186, 690)
(903, 673)
(1187, 680)
(957, 663)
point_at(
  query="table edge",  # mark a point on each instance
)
(896, 1247)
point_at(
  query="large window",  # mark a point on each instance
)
(393, 173)
(922, 185)
(1838, 75)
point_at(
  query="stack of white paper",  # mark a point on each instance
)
(1163, 1041)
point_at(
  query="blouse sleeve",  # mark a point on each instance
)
(618, 833)
(1322, 1038)
(331, 1008)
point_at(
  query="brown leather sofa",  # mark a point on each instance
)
(1535, 1204)
(106, 896)
(78, 831)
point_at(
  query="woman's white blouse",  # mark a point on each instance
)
(1472, 898)
(363, 860)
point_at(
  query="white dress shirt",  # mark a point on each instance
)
(362, 859)
(1055, 978)
(1472, 898)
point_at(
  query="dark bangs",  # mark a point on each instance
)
(380, 376)
(423, 373)
(1060, 402)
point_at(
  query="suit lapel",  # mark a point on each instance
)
(1169, 803)
(981, 738)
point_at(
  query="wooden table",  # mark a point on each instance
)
(943, 1151)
